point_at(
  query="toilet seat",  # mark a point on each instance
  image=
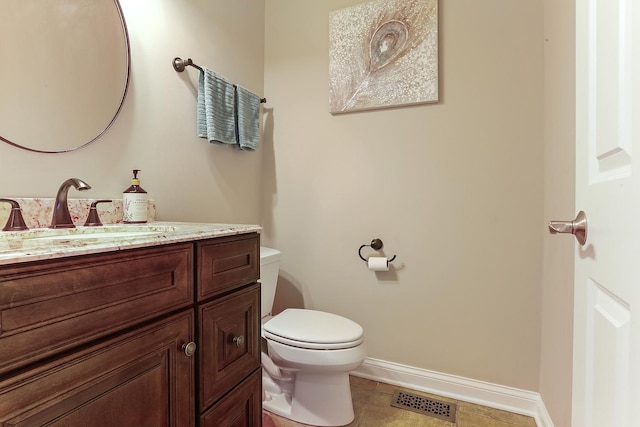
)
(311, 329)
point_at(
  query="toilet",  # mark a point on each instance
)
(305, 372)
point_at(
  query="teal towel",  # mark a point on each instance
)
(216, 115)
(247, 119)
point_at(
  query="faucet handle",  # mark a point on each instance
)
(15, 222)
(93, 220)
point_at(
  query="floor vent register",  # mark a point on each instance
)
(422, 405)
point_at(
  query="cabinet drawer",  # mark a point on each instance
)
(228, 341)
(140, 379)
(48, 307)
(241, 407)
(224, 264)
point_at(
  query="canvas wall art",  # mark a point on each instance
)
(383, 54)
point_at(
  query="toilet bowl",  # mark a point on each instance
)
(305, 374)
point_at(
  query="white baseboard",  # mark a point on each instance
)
(479, 392)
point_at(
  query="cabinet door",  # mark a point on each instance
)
(229, 342)
(240, 408)
(140, 379)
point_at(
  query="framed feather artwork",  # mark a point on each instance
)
(383, 54)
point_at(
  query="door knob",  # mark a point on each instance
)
(238, 341)
(189, 349)
(577, 227)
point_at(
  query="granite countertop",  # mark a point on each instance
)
(43, 244)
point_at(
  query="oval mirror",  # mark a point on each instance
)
(65, 72)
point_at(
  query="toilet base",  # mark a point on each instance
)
(320, 399)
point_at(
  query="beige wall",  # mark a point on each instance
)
(455, 189)
(190, 179)
(452, 188)
(557, 283)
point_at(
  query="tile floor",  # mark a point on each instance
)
(372, 406)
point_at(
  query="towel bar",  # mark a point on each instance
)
(180, 64)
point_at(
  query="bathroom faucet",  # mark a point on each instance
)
(61, 215)
(15, 222)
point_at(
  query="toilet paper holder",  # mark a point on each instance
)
(376, 244)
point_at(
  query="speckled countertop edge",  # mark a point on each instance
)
(20, 248)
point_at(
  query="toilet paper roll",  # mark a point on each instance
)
(378, 263)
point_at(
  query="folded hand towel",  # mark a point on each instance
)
(216, 119)
(248, 119)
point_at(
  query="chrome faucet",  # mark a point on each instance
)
(61, 215)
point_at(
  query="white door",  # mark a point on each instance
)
(606, 372)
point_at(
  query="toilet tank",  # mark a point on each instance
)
(269, 266)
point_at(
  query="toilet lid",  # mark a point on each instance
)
(313, 330)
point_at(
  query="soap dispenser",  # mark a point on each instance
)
(134, 201)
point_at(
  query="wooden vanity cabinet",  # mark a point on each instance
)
(228, 322)
(103, 339)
